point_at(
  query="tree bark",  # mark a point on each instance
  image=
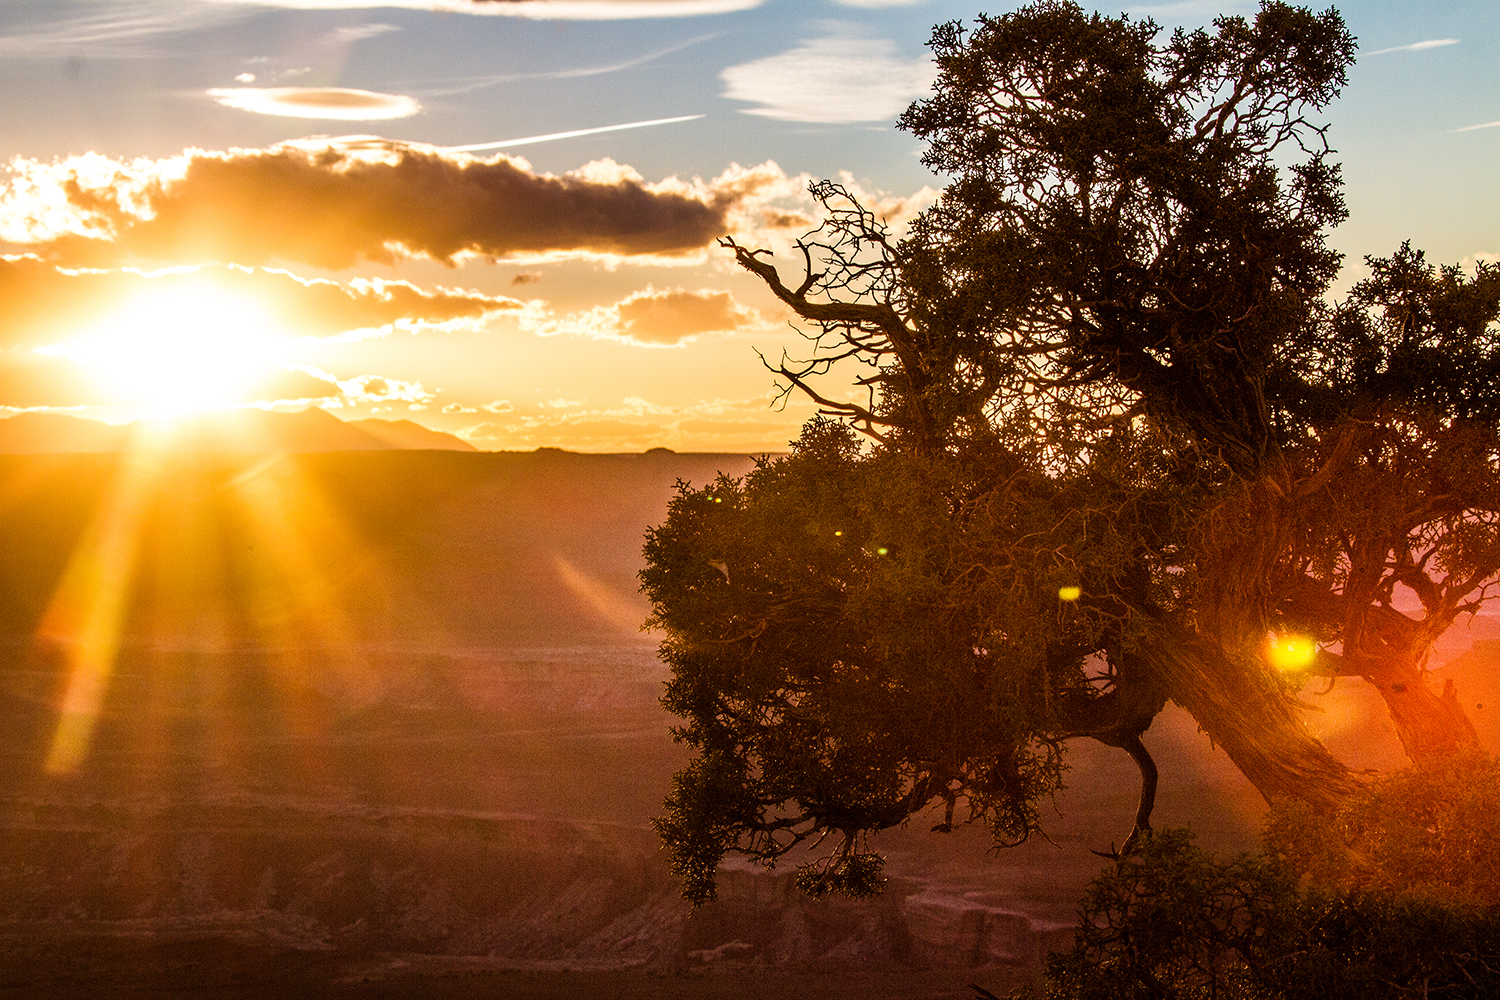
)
(1429, 725)
(1244, 711)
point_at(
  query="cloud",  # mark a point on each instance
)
(114, 30)
(836, 80)
(332, 203)
(652, 318)
(495, 406)
(40, 303)
(359, 32)
(1431, 43)
(469, 84)
(876, 4)
(544, 10)
(635, 424)
(71, 338)
(29, 380)
(378, 389)
(669, 317)
(339, 103)
(1475, 128)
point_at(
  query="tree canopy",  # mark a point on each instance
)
(1114, 447)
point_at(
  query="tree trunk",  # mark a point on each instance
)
(1243, 710)
(1429, 725)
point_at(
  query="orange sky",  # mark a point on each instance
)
(527, 255)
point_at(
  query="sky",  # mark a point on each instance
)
(499, 218)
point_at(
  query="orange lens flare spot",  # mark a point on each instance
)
(1291, 652)
(1069, 593)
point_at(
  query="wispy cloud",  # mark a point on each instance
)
(359, 32)
(1431, 43)
(334, 103)
(836, 80)
(541, 10)
(114, 30)
(1475, 128)
(466, 85)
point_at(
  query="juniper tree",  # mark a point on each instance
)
(1108, 441)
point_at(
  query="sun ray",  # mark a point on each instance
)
(86, 615)
(607, 602)
(311, 571)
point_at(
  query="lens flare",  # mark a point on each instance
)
(1291, 652)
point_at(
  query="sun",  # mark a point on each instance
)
(180, 349)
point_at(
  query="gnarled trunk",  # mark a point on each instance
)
(1429, 725)
(1244, 711)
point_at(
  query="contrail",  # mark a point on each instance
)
(476, 147)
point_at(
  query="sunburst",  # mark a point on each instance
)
(179, 349)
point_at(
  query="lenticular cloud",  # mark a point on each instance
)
(339, 103)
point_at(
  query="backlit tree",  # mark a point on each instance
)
(1111, 447)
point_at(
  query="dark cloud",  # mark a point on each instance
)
(331, 205)
(39, 302)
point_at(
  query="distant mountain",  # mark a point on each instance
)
(407, 435)
(36, 433)
(310, 430)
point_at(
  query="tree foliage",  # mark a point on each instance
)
(1429, 833)
(1175, 923)
(1395, 897)
(1107, 440)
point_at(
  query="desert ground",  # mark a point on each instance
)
(385, 724)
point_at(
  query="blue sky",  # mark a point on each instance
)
(579, 339)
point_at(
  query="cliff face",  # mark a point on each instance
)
(367, 712)
(519, 893)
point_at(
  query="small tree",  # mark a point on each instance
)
(1396, 895)
(1175, 923)
(1115, 443)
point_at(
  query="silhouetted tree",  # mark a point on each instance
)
(1111, 441)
